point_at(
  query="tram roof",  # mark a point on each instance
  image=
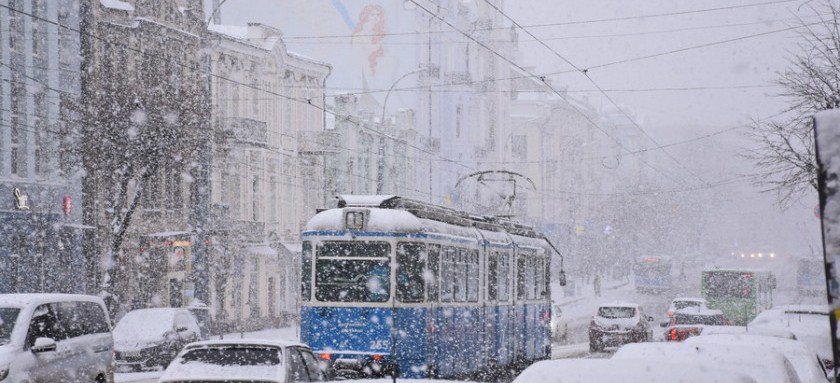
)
(438, 213)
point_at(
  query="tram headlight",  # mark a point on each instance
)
(772, 255)
(760, 255)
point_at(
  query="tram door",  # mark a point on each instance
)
(517, 318)
(432, 297)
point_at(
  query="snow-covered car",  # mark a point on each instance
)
(150, 338)
(804, 360)
(759, 363)
(245, 360)
(618, 323)
(690, 321)
(612, 370)
(679, 304)
(55, 338)
(559, 327)
(744, 330)
(202, 315)
(810, 324)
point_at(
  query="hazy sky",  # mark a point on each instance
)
(739, 73)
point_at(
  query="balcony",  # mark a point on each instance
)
(245, 130)
(318, 142)
(458, 78)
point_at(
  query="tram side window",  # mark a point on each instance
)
(546, 285)
(504, 277)
(533, 278)
(432, 273)
(521, 291)
(472, 275)
(493, 277)
(410, 266)
(447, 275)
(461, 276)
(306, 271)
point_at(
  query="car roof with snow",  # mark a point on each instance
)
(777, 332)
(613, 370)
(760, 363)
(688, 299)
(694, 310)
(245, 342)
(20, 300)
(619, 304)
(803, 359)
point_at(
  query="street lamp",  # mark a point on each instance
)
(380, 176)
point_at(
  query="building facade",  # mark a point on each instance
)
(145, 102)
(267, 174)
(40, 223)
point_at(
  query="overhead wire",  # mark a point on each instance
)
(575, 22)
(546, 84)
(585, 72)
(348, 118)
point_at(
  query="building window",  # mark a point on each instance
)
(458, 112)
(255, 188)
(273, 200)
(519, 147)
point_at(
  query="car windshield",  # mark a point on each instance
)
(144, 325)
(683, 304)
(616, 312)
(8, 316)
(233, 356)
(708, 320)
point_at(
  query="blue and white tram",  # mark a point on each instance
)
(395, 286)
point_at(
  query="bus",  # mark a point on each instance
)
(652, 274)
(740, 293)
(393, 286)
(810, 277)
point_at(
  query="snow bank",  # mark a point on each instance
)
(117, 4)
(612, 370)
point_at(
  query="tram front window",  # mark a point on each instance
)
(345, 272)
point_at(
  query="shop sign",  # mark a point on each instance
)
(67, 205)
(21, 200)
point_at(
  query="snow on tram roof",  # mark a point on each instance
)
(364, 200)
(380, 220)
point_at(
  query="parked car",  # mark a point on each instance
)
(691, 320)
(679, 304)
(147, 339)
(202, 315)
(804, 360)
(612, 370)
(55, 338)
(619, 323)
(761, 364)
(809, 323)
(559, 327)
(245, 360)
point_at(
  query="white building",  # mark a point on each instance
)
(266, 178)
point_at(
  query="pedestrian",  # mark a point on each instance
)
(682, 272)
(596, 284)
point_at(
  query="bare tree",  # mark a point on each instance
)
(785, 153)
